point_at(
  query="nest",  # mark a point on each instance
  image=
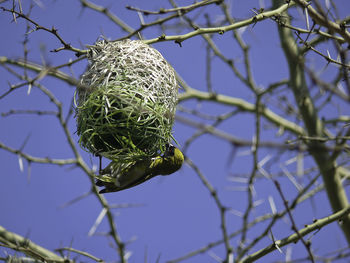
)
(126, 101)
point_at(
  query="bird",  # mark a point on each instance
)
(118, 176)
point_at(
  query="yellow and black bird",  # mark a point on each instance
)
(118, 176)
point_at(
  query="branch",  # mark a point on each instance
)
(222, 209)
(34, 159)
(221, 30)
(301, 197)
(180, 9)
(236, 141)
(326, 57)
(51, 71)
(306, 244)
(19, 243)
(324, 21)
(81, 253)
(108, 13)
(317, 225)
(314, 126)
(53, 31)
(242, 105)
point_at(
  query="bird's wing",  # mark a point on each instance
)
(130, 176)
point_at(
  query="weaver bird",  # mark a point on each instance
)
(118, 176)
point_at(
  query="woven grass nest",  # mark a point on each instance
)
(126, 101)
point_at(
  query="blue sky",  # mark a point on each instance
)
(176, 213)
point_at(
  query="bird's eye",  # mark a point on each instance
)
(171, 150)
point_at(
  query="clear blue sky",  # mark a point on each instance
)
(177, 213)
